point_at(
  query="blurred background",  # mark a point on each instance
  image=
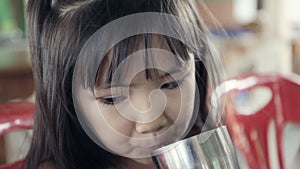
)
(252, 36)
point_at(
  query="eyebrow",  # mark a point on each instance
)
(167, 74)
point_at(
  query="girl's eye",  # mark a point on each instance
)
(112, 100)
(171, 85)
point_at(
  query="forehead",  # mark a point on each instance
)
(142, 53)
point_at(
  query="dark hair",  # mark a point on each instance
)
(58, 30)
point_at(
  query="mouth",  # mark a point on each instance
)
(151, 148)
(155, 142)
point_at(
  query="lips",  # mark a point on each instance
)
(155, 140)
(153, 147)
(145, 151)
(146, 145)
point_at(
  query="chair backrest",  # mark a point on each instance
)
(275, 99)
(15, 116)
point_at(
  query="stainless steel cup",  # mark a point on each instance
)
(209, 150)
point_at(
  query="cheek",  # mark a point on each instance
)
(173, 105)
(181, 101)
(115, 120)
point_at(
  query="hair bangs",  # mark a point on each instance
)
(129, 46)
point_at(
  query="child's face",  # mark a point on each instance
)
(140, 114)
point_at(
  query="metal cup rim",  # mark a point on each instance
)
(202, 137)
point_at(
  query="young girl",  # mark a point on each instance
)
(115, 80)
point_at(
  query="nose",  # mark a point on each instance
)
(151, 127)
(149, 101)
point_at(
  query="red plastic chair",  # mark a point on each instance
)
(249, 131)
(15, 116)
